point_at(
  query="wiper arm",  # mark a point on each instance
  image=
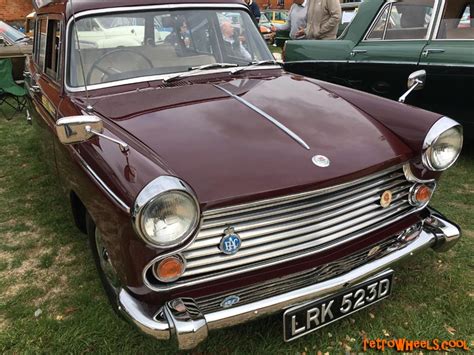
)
(255, 64)
(194, 70)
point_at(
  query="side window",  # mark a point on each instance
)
(41, 42)
(457, 22)
(407, 19)
(52, 59)
(378, 29)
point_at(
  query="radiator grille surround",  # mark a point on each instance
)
(290, 227)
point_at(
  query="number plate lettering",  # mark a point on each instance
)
(306, 318)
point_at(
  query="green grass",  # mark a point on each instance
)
(45, 264)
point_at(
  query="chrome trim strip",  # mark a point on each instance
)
(411, 177)
(438, 20)
(452, 65)
(140, 8)
(105, 187)
(267, 116)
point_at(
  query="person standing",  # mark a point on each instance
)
(254, 10)
(323, 19)
(296, 23)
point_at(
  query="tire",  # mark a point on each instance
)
(101, 263)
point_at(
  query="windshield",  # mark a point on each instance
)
(140, 44)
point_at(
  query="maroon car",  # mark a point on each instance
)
(214, 186)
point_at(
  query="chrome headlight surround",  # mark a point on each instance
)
(437, 132)
(150, 195)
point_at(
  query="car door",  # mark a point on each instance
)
(390, 50)
(42, 84)
(449, 62)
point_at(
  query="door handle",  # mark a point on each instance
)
(427, 52)
(35, 89)
(356, 51)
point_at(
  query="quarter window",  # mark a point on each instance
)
(403, 20)
(457, 21)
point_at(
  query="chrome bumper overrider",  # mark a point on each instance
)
(181, 318)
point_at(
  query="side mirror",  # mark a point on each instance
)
(78, 129)
(416, 81)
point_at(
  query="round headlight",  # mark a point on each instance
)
(442, 145)
(165, 213)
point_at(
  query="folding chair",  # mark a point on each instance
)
(9, 89)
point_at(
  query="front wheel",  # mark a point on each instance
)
(105, 268)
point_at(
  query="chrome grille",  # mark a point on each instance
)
(279, 229)
(291, 227)
(289, 283)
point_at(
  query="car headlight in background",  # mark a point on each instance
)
(442, 144)
(165, 212)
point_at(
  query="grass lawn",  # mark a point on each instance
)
(51, 300)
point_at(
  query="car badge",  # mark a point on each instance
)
(230, 242)
(321, 161)
(386, 199)
(229, 301)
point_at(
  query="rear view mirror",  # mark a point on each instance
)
(78, 129)
(416, 81)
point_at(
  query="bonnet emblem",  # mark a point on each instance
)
(321, 161)
(230, 242)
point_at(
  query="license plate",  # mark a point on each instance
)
(306, 318)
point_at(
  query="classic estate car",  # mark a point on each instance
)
(376, 55)
(206, 204)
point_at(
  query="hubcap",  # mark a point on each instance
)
(104, 259)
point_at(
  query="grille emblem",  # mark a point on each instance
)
(386, 199)
(229, 301)
(230, 242)
(321, 161)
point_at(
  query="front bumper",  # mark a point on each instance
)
(181, 318)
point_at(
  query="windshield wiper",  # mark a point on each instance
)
(255, 64)
(194, 70)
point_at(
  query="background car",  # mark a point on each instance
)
(277, 17)
(15, 45)
(267, 29)
(376, 55)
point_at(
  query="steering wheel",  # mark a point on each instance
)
(108, 72)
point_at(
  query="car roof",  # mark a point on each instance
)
(67, 7)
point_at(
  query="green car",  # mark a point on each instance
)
(388, 40)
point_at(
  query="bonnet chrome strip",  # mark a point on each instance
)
(268, 117)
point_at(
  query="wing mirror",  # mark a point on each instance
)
(79, 129)
(416, 81)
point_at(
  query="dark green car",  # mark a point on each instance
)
(388, 40)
